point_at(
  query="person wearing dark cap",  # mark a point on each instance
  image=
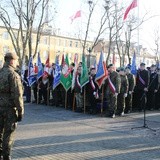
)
(11, 103)
(131, 83)
(111, 90)
(123, 92)
(153, 88)
(141, 88)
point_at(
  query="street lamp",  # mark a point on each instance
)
(107, 5)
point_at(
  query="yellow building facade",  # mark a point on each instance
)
(48, 44)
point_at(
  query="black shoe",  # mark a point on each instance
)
(6, 158)
(27, 101)
(79, 110)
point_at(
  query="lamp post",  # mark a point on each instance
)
(107, 5)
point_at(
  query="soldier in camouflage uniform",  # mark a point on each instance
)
(11, 104)
(131, 82)
(123, 92)
(78, 91)
(111, 90)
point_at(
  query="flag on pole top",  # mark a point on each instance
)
(57, 74)
(46, 67)
(31, 74)
(66, 78)
(76, 15)
(131, 6)
(133, 65)
(84, 79)
(75, 70)
(102, 72)
(40, 67)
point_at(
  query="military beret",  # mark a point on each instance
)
(10, 55)
(153, 65)
(128, 68)
(142, 64)
(121, 69)
(110, 65)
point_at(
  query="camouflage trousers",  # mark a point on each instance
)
(8, 125)
(79, 100)
(112, 103)
(120, 103)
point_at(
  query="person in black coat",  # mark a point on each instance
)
(141, 88)
(93, 91)
(27, 88)
(153, 88)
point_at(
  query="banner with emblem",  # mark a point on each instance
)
(57, 74)
(40, 67)
(84, 79)
(32, 77)
(102, 73)
(66, 78)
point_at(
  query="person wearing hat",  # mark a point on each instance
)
(131, 85)
(111, 90)
(141, 88)
(123, 92)
(11, 103)
(153, 88)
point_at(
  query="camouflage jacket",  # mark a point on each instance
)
(131, 81)
(116, 80)
(124, 84)
(11, 90)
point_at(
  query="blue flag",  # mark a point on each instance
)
(40, 67)
(31, 75)
(57, 74)
(133, 65)
(102, 72)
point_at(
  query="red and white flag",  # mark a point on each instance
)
(131, 6)
(46, 68)
(76, 15)
(75, 70)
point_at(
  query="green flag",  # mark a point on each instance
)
(84, 75)
(66, 78)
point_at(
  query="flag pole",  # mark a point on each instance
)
(37, 92)
(138, 28)
(102, 99)
(48, 93)
(66, 100)
(84, 99)
(73, 106)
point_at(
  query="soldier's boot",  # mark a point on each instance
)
(6, 158)
(1, 155)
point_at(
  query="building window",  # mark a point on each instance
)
(70, 44)
(65, 43)
(5, 35)
(76, 44)
(59, 42)
(45, 40)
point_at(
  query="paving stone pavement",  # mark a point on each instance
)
(50, 133)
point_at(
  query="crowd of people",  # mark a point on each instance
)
(121, 93)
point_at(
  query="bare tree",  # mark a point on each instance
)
(28, 17)
(157, 43)
(132, 24)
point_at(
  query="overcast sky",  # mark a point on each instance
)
(66, 8)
